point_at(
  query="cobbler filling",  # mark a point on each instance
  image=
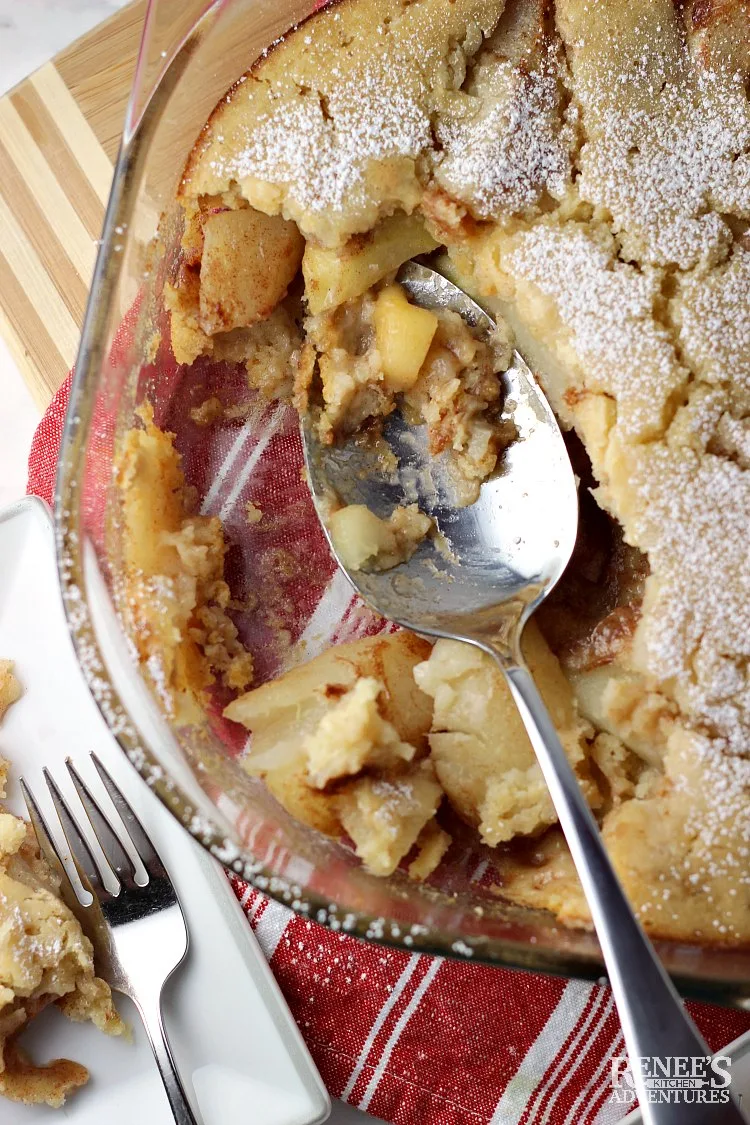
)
(591, 615)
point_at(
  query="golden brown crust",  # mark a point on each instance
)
(299, 133)
(22, 1080)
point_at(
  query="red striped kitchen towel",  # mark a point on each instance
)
(420, 1040)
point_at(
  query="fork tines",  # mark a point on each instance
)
(88, 867)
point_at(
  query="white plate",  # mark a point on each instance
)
(233, 1036)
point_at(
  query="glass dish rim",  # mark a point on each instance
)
(497, 952)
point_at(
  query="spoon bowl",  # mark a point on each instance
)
(494, 559)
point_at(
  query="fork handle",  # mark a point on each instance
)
(157, 1037)
(654, 1021)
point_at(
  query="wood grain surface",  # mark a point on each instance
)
(59, 133)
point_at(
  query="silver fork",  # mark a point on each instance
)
(138, 930)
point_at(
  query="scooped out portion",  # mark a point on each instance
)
(380, 351)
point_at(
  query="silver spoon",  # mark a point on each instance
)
(506, 553)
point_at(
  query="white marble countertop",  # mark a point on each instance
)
(31, 31)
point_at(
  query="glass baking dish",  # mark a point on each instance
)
(188, 59)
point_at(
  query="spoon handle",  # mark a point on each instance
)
(654, 1021)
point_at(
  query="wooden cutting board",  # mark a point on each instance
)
(59, 134)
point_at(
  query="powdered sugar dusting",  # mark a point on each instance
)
(714, 321)
(607, 309)
(513, 147)
(645, 298)
(683, 497)
(320, 150)
(695, 517)
(665, 174)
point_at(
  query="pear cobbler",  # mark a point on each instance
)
(582, 168)
(45, 958)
